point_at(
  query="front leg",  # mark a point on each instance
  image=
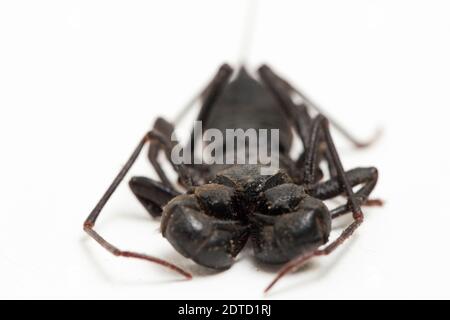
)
(209, 97)
(297, 114)
(321, 123)
(165, 143)
(287, 87)
(90, 221)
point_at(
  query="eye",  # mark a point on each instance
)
(282, 199)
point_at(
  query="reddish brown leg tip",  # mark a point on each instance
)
(266, 290)
(187, 275)
(273, 283)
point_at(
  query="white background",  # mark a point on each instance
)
(81, 81)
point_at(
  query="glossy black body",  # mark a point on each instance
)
(238, 204)
(222, 208)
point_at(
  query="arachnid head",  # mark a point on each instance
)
(212, 224)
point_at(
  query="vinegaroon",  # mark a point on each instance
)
(223, 207)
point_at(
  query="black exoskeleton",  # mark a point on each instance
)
(226, 206)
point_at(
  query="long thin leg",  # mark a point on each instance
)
(91, 219)
(166, 129)
(192, 173)
(353, 203)
(315, 149)
(297, 113)
(343, 210)
(164, 143)
(200, 95)
(152, 194)
(367, 177)
(210, 95)
(340, 128)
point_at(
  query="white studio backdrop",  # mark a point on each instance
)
(81, 81)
